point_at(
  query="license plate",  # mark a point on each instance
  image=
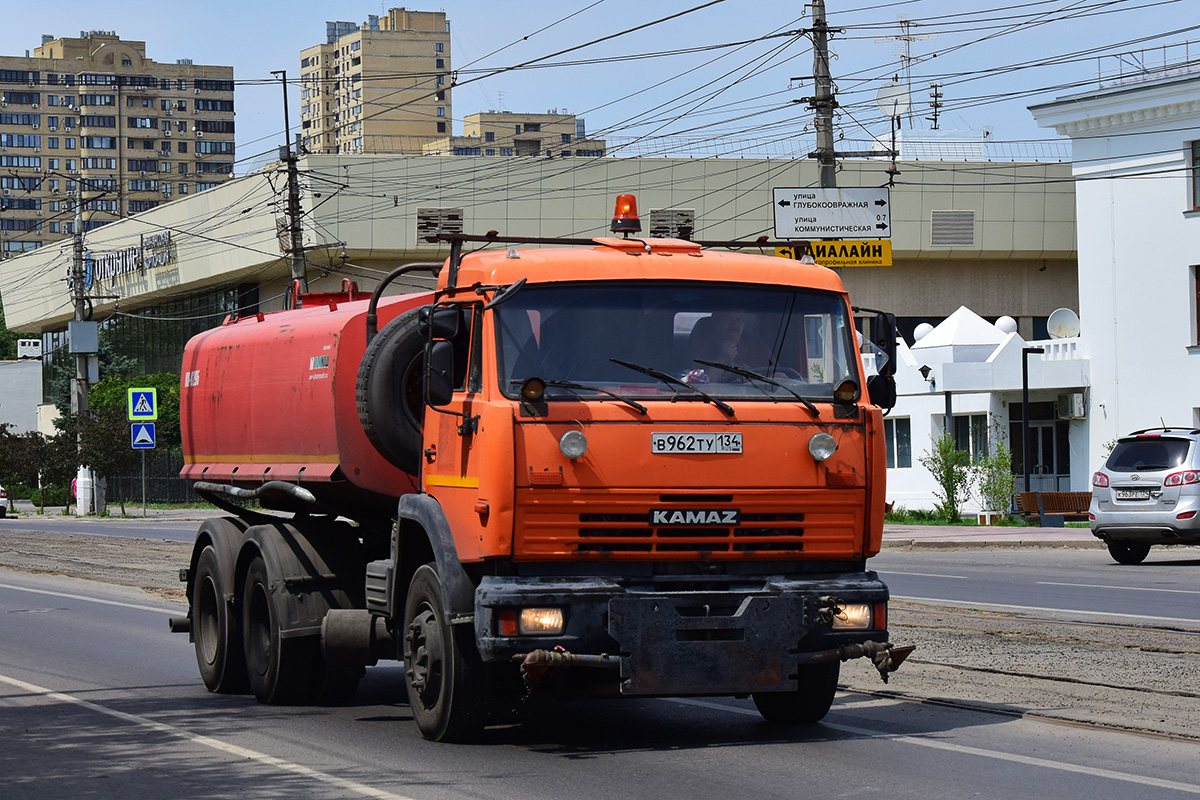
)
(697, 443)
(1132, 494)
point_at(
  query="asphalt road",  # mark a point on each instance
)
(1083, 583)
(98, 700)
(175, 530)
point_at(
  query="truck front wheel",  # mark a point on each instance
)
(216, 631)
(811, 700)
(442, 668)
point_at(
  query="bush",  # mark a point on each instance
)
(53, 495)
(951, 469)
(995, 479)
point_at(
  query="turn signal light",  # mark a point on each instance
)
(625, 215)
(846, 392)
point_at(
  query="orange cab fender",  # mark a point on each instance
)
(458, 592)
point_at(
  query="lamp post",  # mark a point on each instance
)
(1028, 446)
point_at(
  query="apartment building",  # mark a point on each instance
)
(379, 87)
(504, 133)
(96, 110)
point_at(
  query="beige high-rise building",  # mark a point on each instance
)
(95, 110)
(379, 87)
(504, 133)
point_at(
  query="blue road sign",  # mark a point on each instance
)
(143, 404)
(141, 435)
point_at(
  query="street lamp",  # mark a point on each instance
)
(1025, 353)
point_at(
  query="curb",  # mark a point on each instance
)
(960, 544)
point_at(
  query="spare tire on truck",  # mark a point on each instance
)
(389, 392)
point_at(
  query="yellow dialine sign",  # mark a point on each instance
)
(859, 253)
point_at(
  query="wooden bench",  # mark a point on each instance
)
(1072, 506)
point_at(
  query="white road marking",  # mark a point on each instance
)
(87, 599)
(1122, 588)
(934, 744)
(923, 574)
(343, 784)
(962, 604)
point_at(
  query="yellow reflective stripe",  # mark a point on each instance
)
(452, 480)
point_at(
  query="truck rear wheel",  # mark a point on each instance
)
(277, 668)
(811, 700)
(216, 632)
(443, 672)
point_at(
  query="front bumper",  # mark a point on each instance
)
(684, 640)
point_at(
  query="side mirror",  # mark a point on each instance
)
(444, 321)
(883, 335)
(882, 390)
(439, 374)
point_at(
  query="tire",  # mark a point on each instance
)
(216, 628)
(278, 669)
(809, 703)
(442, 669)
(1128, 552)
(388, 392)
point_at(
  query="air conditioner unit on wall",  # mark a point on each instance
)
(1072, 406)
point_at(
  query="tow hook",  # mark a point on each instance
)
(886, 657)
(536, 664)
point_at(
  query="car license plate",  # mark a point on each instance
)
(697, 443)
(1133, 494)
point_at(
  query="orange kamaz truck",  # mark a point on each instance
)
(628, 466)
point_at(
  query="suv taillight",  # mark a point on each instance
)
(1100, 479)
(1182, 478)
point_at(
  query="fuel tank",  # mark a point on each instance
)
(273, 397)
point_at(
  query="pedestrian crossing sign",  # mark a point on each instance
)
(143, 405)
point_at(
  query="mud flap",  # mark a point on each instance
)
(690, 645)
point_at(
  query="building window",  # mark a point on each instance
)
(898, 434)
(441, 111)
(441, 127)
(440, 47)
(491, 151)
(532, 127)
(566, 138)
(971, 434)
(1196, 305)
(489, 136)
(1196, 175)
(506, 151)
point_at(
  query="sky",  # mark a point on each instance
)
(719, 76)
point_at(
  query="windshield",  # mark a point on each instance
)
(799, 338)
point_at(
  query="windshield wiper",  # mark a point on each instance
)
(585, 388)
(671, 379)
(755, 376)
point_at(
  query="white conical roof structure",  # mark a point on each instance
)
(963, 327)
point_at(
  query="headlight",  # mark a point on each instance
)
(853, 615)
(573, 444)
(822, 446)
(541, 621)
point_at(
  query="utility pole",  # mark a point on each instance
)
(80, 331)
(935, 103)
(289, 158)
(823, 102)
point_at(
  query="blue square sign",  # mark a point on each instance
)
(141, 435)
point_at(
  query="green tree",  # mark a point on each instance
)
(113, 392)
(994, 477)
(104, 444)
(951, 469)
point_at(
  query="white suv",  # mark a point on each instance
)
(5, 503)
(1148, 493)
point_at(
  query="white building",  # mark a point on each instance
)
(970, 370)
(1136, 149)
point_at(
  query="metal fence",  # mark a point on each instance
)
(163, 484)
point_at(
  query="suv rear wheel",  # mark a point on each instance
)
(1128, 552)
